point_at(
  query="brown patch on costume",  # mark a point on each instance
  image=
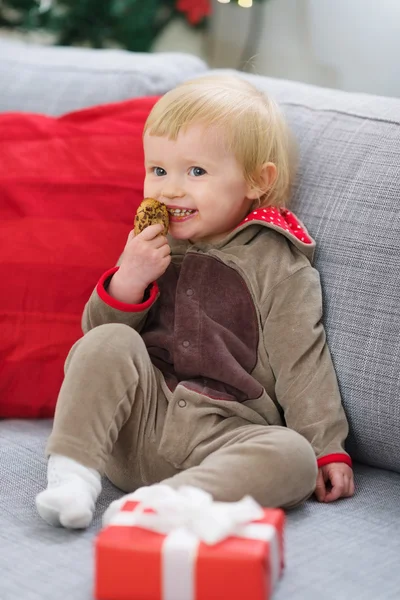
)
(151, 212)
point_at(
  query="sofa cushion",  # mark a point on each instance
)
(56, 80)
(69, 189)
(348, 549)
(348, 194)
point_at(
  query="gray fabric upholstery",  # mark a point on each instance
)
(339, 551)
(348, 194)
(58, 80)
(38, 562)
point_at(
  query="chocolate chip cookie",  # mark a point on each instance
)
(150, 212)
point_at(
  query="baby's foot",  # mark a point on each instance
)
(71, 493)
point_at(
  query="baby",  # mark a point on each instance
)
(204, 360)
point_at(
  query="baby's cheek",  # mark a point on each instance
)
(148, 189)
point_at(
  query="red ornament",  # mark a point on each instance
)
(195, 10)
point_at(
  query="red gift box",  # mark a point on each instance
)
(133, 563)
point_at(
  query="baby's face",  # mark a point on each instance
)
(196, 175)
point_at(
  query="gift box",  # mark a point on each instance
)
(190, 550)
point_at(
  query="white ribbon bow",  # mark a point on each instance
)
(191, 509)
(188, 516)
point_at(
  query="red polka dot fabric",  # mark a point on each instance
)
(280, 218)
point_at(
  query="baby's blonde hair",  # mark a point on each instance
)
(252, 123)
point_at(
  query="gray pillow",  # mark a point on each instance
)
(55, 80)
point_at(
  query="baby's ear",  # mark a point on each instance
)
(265, 179)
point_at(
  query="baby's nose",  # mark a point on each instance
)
(171, 192)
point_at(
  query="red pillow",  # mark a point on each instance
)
(69, 189)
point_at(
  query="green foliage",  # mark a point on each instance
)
(130, 24)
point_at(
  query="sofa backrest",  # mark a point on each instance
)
(348, 195)
(56, 80)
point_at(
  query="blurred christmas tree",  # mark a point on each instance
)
(130, 24)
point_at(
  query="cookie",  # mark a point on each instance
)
(150, 212)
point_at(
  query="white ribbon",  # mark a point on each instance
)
(187, 517)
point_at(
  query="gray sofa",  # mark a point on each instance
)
(348, 194)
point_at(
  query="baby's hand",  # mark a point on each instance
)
(146, 255)
(340, 480)
(145, 258)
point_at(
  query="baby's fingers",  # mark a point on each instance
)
(352, 486)
(165, 250)
(349, 486)
(320, 488)
(151, 232)
(338, 487)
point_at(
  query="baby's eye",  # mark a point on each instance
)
(197, 171)
(159, 172)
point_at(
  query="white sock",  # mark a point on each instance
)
(71, 494)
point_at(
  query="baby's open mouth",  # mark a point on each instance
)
(181, 212)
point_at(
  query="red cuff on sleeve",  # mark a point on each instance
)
(331, 458)
(122, 305)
